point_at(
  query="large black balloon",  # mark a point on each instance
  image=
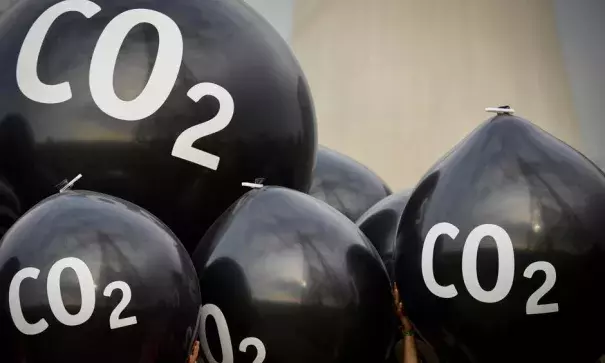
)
(380, 225)
(296, 274)
(508, 179)
(123, 151)
(115, 241)
(345, 184)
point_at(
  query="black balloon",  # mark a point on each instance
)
(380, 225)
(112, 283)
(297, 275)
(345, 184)
(10, 206)
(70, 111)
(6, 4)
(515, 217)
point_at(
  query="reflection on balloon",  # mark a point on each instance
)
(380, 225)
(345, 184)
(85, 277)
(501, 249)
(239, 96)
(10, 206)
(5, 5)
(300, 277)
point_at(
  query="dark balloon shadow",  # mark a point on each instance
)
(10, 346)
(375, 318)
(345, 184)
(17, 160)
(224, 284)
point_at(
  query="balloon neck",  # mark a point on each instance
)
(70, 184)
(501, 110)
(252, 185)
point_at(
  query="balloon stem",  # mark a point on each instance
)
(502, 110)
(71, 183)
(252, 185)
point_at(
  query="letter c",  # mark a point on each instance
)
(428, 250)
(14, 303)
(27, 64)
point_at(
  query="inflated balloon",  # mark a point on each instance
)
(168, 104)
(380, 225)
(85, 277)
(295, 279)
(345, 184)
(501, 250)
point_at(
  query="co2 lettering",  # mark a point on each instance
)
(160, 84)
(55, 299)
(506, 268)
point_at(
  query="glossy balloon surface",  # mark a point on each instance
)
(291, 271)
(6, 4)
(116, 241)
(550, 201)
(126, 149)
(380, 225)
(345, 184)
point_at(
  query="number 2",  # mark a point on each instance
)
(115, 321)
(532, 307)
(183, 146)
(261, 352)
(225, 337)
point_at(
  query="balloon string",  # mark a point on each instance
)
(195, 353)
(409, 352)
(402, 316)
(399, 307)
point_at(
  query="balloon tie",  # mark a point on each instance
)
(258, 183)
(406, 326)
(502, 110)
(195, 352)
(70, 184)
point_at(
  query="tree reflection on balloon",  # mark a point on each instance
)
(299, 276)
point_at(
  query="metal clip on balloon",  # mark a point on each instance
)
(255, 185)
(501, 110)
(70, 184)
